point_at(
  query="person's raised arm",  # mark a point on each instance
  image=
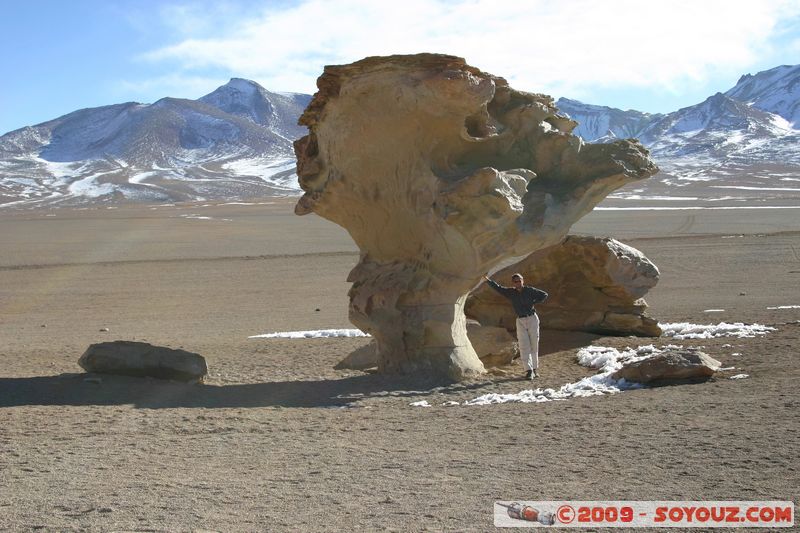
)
(496, 286)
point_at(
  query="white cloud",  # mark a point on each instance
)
(199, 17)
(564, 47)
(794, 47)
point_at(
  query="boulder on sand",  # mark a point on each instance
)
(676, 364)
(141, 359)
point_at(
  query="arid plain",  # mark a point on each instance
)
(277, 440)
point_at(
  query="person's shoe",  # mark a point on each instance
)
(528, 374)
(535, 374)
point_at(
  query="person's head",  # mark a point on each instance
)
(517, 280)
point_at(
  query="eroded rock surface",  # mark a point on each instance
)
(594, 284)
(440, 172)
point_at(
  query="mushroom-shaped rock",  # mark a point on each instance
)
(594, 284)
(440, 172)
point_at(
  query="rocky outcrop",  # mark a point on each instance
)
(594, 285)
(440, 172)
(677, 364)
(142, 359)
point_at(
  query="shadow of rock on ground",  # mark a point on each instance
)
(148, 393)
(553, 340)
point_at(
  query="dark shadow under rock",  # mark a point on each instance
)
(554, 340)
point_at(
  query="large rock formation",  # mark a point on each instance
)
(594, 284)
(441, 172)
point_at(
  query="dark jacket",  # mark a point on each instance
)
(521, 300)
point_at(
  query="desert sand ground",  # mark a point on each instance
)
(276, 440)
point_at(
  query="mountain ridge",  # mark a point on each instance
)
(174, 149)
(236, 142)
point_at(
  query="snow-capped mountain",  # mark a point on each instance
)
(604, 124)
(760, 107)
(735, 143)
(776, 90)
(278, 112)
(720, 127)
(232, 143)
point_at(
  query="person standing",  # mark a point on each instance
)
(523, 297)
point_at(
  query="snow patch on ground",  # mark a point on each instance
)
(624, 196)
(201, 217)
(312, 334)
(744, 188)
(61, 170)
(138, 179)
(89, 187)
(279, 173)
(686, 330)
(606, 360)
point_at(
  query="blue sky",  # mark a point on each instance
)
(656, 56)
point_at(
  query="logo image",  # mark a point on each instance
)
(518, 511)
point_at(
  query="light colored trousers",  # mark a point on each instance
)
(528, 338)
